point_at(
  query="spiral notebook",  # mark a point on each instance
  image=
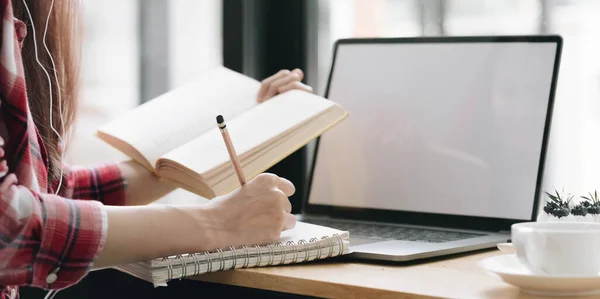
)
(306, 242)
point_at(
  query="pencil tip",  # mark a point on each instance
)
(220, 119)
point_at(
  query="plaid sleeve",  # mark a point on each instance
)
(48, 241)
(104, 183)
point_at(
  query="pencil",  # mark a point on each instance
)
(231, 150)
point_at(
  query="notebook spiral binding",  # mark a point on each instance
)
(179, 260)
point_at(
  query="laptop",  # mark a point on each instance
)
(444, 147)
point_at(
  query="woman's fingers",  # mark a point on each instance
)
(3, 168)
(266, 83)
(300, 73)
(290, 221)
(10, 179)
(281, 82)
(273, 88)
(286, 186)
(1, 147)
(295, 85)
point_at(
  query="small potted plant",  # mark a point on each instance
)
(591, 204)
(559, 205)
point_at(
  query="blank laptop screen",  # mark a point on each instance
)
(450, 128)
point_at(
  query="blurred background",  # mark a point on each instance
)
(146, 47)
(135, 50)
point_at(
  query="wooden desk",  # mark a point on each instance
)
(449, 278)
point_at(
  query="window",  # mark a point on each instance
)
(571, 158)
(472, 17)
(572, 153)
(112, 81)
(361, 18)
(195, 39)
(574, 159)
(109, 75)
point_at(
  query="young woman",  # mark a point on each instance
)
(59, 222)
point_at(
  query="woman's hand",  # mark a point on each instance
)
(281, 82)
(257, 213)
(9, 180)
(3, 165)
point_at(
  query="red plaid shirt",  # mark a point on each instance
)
(46, 240)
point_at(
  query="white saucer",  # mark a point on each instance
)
(510, 270)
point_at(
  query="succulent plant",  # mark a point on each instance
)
(559, 204)
(579, 210)
(592, 203)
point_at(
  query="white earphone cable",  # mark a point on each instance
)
(58, 90)
(49, 84)
(50, 294)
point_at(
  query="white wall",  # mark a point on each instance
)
(195, 38)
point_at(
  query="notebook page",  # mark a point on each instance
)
(185, 113)
(306, 231)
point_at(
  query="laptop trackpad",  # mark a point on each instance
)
(362, 241)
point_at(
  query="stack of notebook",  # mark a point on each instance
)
(306, 242)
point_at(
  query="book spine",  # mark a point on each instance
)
(203, 263)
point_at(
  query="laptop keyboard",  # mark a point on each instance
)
(393, 232)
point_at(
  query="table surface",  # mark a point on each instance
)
(451, 277)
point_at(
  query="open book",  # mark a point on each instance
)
(305, 242)
(176, 136)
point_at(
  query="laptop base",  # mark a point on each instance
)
(373, 248)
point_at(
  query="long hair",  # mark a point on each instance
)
(63, 41)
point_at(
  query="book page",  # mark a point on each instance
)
(250, 130)
(175, 118)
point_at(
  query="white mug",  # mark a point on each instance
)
(558, 248)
